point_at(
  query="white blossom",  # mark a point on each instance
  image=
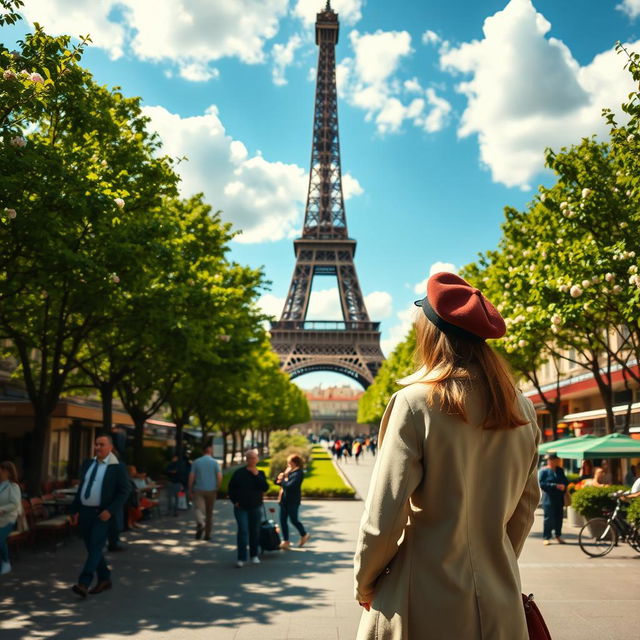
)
(115, 278)
(586, 192)
(7, 74)
(575, 291)
(609, 277)
(624, 225)
(586, 283)
(563, 288)
(630, 137)
(119, 203)
(522, 343)
(564, 205)
(543, 197)
(556, 319)
(632, 254)
(11, 213)
(633, 268)
(37, 78)
(616, 289)
(224, 338)
(595, 280)
(635, 279)
(529, 309)
(520, 318)
(18, 141)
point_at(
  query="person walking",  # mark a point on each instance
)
(117, 522)
(357, 450)
(454, 486)
(174, 486)
(291, 482)
(246, 488)
(101, 494)
(10, 509)
(553, 483)
(204, 480)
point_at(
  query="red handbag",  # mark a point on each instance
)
(536, 625)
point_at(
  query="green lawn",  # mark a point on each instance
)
(321, 479)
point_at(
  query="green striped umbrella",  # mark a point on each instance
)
(556, 446)
(613, 445)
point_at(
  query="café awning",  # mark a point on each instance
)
(613, 445)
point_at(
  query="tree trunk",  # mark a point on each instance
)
(234, 446)
(34, 474)
(179, 436)
(106, 395)
(253, 437)
(138, 442)
(225, 449)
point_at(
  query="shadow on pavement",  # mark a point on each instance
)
(166, 580)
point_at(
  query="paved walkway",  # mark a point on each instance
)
(169, 586)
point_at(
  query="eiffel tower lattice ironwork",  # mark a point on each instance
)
(352, 346)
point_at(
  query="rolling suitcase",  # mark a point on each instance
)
(269, 536)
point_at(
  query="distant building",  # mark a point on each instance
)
(334, 410)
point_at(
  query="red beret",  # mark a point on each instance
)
(457, 308)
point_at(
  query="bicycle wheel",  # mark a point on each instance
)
(634, 540)
(597, 537)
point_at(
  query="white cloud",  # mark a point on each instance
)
(421, 287)
(430, 37)
(324, 304)
(77, 18)
(527, 92)
(188, 33)
(349, 11)
(399, 331)
(379, 304)
(260, 197)
(351, 187)
(283, 56)
(630, 7)
(271, 305)
(369, 81)
(197, 72)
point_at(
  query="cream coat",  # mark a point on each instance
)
(449, 508)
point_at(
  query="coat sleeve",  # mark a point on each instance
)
(398, 471)
(522, 518)
(14, 506)
(122, 490)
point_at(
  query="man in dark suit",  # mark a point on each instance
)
(101, 494)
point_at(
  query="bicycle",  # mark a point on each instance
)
(599, 535)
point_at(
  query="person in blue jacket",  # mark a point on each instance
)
(290, 480)
(553, 483)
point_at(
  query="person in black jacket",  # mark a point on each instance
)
(291, 482)
(101, 494)
(246, 488)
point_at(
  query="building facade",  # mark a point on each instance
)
(334, 412)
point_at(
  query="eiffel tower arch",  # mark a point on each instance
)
(350, 346)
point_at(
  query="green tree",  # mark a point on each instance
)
(68, 190)
(400, 363)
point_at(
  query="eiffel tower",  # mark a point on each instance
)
(352, 346)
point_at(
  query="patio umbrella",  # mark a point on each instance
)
(556, 446)
(613, 445)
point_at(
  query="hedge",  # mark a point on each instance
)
(592, 502)
(633, 514)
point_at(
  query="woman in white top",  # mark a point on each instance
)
(10, 507)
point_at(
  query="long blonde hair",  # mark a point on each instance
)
(450, 363)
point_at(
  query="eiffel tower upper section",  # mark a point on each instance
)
(351, 347)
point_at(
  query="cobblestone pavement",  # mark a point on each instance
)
(169, 586)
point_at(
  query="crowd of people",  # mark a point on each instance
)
(343, 448)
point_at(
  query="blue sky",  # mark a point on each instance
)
(445, 110)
